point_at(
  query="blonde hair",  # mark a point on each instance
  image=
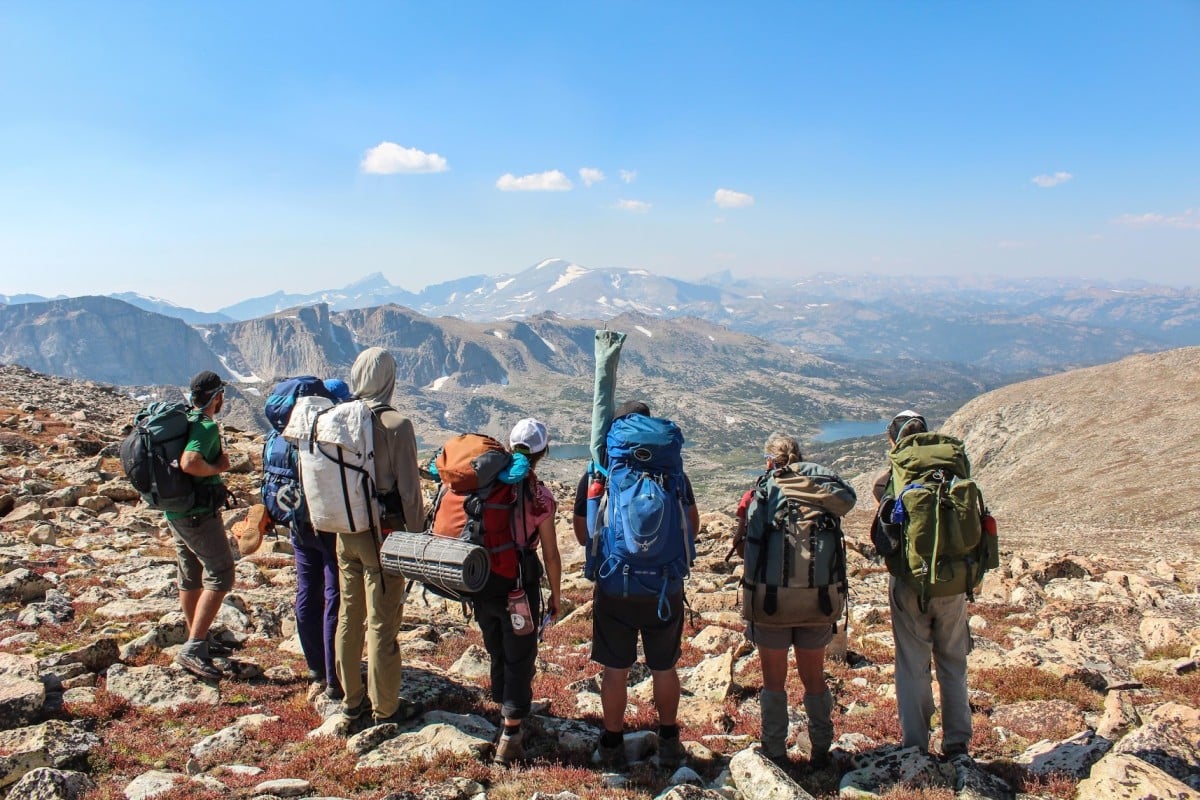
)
(782, 449)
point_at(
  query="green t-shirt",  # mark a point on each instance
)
(204, 438)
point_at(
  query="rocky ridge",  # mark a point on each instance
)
(1084, 676)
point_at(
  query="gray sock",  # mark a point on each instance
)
(196, 647)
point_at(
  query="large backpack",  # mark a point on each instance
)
(475, 506)
(336, 445)
(282, 491)
(640, 541)
(795, 562)
(282, 399)
(931, 519)
(150, 456)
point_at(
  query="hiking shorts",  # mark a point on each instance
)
(617, 621)
(202, 553)
(803, 637)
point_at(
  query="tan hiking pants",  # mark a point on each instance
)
(377, 600)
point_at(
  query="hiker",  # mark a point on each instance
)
(922, 627)
(369, 596)
(199, 534)
(514, 655)
(811, 498)
(317, 595)
(651, 607)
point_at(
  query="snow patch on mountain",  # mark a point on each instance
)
(570, 274)
(237, 376)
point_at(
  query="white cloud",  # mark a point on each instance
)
(628, 175)
(1049, 181)
(1188, 220)
(590, 175)
(552, 181)
(389, 158)
(728, 198)
(636, 206)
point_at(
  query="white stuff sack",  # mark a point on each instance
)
(336, 445)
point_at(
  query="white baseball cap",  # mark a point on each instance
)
(530, 434)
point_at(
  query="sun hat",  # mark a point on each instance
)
(530, 434)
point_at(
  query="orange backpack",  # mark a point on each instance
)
(473, 505)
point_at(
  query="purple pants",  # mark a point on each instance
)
(317, 599)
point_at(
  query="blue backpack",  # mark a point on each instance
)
(640, 542)
(282, 493)
(282, 399)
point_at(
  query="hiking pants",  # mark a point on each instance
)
(513, 657)
(317, 600)
(941, 632)
(371, 597)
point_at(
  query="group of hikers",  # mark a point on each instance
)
(635, 514)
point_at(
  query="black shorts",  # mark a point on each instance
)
(617, 621)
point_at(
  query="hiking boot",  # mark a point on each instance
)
(963, 765)
(671, 753)
(335, 692)
(611, 758)
(404, 712)
(510, 748)
(358, 711)
(199, 666)
(216, 649)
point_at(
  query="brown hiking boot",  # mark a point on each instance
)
(510, 748)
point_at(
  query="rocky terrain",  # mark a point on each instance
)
(1085, 680)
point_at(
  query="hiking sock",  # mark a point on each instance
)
(512, 729)
(196, 647)
(610, 739)
(820, 723)
(668, 731)
(774, 711)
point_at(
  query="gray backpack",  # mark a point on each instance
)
(795, 557)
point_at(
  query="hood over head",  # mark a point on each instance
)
(373, 376)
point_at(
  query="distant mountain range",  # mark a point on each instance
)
(727, 388)
(1019, 327)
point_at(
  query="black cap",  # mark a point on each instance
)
(205, 386)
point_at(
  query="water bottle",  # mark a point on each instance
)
(519, 612)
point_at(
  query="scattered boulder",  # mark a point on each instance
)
(1170, 740)
(1119, 776)
(159, 688)
(755, 776)
(23, 586)
(151, 784)
(45, 783)
(21, 691)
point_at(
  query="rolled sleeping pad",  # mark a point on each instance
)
(450, 564)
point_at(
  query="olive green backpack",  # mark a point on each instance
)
(933, 527)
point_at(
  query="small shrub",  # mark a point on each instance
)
(1015, 684)
(1178, 688)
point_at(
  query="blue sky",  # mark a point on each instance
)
(207, 152)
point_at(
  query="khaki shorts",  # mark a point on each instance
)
(804, 637)
(202, 553)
